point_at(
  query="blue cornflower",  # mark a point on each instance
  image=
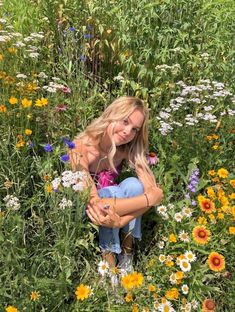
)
(64, 157)
(69, 143)
(48, 148)
(72, 29)
(87, 36)
(83, 58)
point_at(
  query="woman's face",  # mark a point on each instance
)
(126, 129)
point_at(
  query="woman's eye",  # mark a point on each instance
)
(125, 121)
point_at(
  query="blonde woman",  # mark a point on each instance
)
(119, 135)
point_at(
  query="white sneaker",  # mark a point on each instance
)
(125, 263)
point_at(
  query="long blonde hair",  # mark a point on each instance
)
(119, 109)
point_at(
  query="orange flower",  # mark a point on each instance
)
(172, 238)
(128, 297)
(211, 172)
(206, 204)
(216, 261)
(232, 182)
(231, 230)
(208, 305)
(172, 294)
(222, 173)
(201, 235)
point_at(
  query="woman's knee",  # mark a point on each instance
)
(132, 186)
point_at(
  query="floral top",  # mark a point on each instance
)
(106, 177)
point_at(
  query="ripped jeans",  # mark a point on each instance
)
(109, 239)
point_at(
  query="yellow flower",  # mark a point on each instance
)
(212, 218)
(28, 131)
(211, 172)
(210, 192)
(205, 204)
(232, 182)
(216, 179)
(172, 238)
(220, 215)
(83, 292)
(20, 144)
(13, 100)
(134, 308)
(11, 309)
(151, 287)
(41, 102)
(172, 294)
(49, 188)
(151, 263)
(169, 263)
(209, 137)
(137, 279)
(222, 173)
(1, 57)
(26, 103)
(201, 234)
(216, 147)
(34, 295)
(216, 261)
(3, 108)
(202, 220)
(128, 297)
(179, 275)
(232, 196)
(231, 230)
(12, 50)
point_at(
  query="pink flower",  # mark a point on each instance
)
(66, 90)
(152, 158)
(61, 108)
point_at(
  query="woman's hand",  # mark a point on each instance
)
(154, 194)
(147, 179)
(102, 214)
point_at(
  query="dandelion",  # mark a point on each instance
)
(128, 297)
(201, 235)
(83, 292)
(3, 108)
(216, 261)
(222, 173)
(185, 265)
(26, 103)
(231, 230)
(103, 267)
(172, 238)
(11, 309)
(208, 305)
(232, 182)
(28, 131)
(13, 100)
(184, 289)
(172, 294)
(34, 295)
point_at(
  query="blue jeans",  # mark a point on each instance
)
(109, 237)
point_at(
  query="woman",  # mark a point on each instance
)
(119, 135)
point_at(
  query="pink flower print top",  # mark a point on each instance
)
(106, 177)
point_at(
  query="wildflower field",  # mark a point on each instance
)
(61, 63)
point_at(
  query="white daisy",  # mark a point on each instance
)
(162, 209)
(187, 212)
(173, 278)
(103, 267)
(190, 256)
(184, 289)
(161, 245)
(185, 265)
(184, 236)
(178, 217)
(194, 304)
(162, 258)
(166, 306)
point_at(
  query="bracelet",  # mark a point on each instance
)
(147, 200)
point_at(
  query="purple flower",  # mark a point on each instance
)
(64, 157)
(83, 58)
(87, 36)
(69, 143)
(66, 90)
(61, 108)
(152, 158)
(48, 148)
(193, 181)
(72, 29)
